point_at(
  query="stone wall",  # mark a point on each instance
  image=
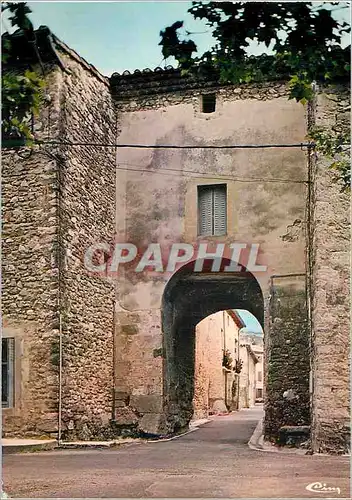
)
(330, 305)
(29, 289)
(86, 216)
(30, 275)
(287, 353)
(56, 202)
(64, 197)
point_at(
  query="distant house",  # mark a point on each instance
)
(217, 356)
(248, 376)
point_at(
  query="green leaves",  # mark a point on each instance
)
(301, 88)
(21, 90)
(335, 146)
(172, 46)
(306, 44)
(306, 40)
(19, 16)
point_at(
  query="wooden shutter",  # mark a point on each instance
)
(205, 211)
(219, 210)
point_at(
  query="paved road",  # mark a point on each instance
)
(214, 462)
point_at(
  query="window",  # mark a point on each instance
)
(212, 217)
(7, 369)
(208, 103)
(259, 376)
(259, 393)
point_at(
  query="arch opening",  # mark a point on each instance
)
(188, 298)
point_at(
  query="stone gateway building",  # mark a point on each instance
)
(156, 158)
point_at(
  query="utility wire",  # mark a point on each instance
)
(212, 176)
(180, 173)
(171, 146)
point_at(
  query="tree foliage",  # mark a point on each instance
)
(21, 87)
(304, 42)
(335, 146)
(304, 38)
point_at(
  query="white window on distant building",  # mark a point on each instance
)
(260, 376)
(7, 372)
(212, 210)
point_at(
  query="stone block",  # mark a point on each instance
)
(293, 435)
(123, 369)
(147, 404)
(49, 423)
(125, 416)
(219, 406)
(127, 318)
(122, 395)
(152, 423)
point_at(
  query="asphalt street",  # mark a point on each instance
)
(214, 461)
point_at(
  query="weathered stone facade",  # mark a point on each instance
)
(128, 341)
(86, 216)
(287, 348)
(159, 192)
(29, 290)
(330, 285)
(56, 203)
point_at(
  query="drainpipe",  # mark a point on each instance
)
(223, 327)
(240, 374)
(60, 378)
(113, 407)
(248, 377)
(224, 345)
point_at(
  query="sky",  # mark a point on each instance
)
(252, 324)
(115, 36)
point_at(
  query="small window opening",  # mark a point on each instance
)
(7, 372)
(208, 103)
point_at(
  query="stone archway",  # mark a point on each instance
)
(188, 298)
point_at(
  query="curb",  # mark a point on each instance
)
(193, 427)
(29, 448)
(74, 445)
(79, 445)
(257, 438)
(163, 440)
(257, 443)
